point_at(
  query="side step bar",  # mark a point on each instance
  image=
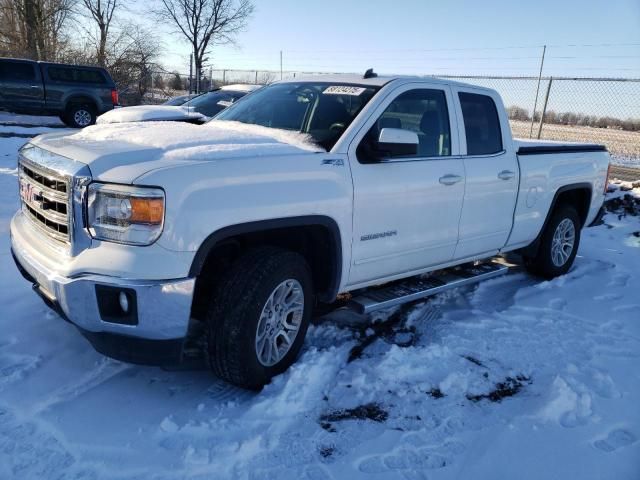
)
(419, 287)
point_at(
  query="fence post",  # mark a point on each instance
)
(224, 77)
(535, 103)
(544, 108)
(256, 77)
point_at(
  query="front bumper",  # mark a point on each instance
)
(163, 307)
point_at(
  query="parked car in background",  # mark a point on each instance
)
(180, 99)
(199, 109)
(77, 94)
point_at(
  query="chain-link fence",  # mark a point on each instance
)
(595, 110)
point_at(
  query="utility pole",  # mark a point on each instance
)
(280, 64)
(535, 104)
(190, 72)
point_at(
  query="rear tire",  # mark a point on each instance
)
(248, 336)
(80, 115)
(558, 245)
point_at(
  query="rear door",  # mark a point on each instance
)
(406, 209)
(21, 88)
(492, 173)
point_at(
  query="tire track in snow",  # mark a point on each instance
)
(103, 372)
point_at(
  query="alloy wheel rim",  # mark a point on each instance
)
(82, 118)
(563, 242)
(279, 322)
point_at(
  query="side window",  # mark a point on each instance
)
(17, 71)
(481, 124)
(90, 76)
(75, 75)
(423, 111)
(60, 74)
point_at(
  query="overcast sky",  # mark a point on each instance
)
(434, 37)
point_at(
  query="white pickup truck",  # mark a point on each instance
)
(298, 192)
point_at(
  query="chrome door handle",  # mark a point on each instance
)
(450, 179)
(506, 175)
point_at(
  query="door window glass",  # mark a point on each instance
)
(17, 71)
(422, 111)
(481, 124)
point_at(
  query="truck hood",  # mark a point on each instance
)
(123, 152)
(148, 113)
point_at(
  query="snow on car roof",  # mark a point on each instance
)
(142, 113)
(241, 87)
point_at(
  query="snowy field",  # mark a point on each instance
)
(514, 378)
(624, 146)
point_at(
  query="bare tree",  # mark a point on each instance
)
(205, 23)
(33, 28)
(131, 59)
(102, 13)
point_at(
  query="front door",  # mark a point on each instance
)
(406, 208)
(21, 87)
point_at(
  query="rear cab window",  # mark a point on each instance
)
(481, 124)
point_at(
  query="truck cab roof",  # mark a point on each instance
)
(377, 81)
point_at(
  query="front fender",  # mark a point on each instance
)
(207, 197)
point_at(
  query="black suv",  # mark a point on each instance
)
(75, 93)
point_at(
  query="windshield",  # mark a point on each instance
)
(209, 104)
(322, 110)
(178, 100)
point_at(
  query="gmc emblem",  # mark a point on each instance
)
(29, 194)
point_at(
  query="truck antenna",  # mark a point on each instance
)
(370, 74)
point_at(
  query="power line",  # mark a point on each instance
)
(586, 45)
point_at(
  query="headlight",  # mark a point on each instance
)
(125, 214)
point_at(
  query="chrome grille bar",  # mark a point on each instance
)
(45, 197)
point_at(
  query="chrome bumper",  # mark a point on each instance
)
(163, 306)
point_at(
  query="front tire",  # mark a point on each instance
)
(558, 246)
(259, 316)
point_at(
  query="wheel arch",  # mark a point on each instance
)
(80, 98)
(577, 194)
(309, 235)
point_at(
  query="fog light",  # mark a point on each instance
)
(117, 304)
(124, 302)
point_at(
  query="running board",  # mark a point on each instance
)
(415, 288)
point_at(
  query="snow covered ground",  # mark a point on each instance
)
(514, 378)
(8, 118)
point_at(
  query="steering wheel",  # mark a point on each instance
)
(337, 126)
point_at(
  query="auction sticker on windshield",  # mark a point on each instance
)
(343, 90)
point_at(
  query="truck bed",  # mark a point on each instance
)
(540, 147)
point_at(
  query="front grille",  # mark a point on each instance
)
(45, 199)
